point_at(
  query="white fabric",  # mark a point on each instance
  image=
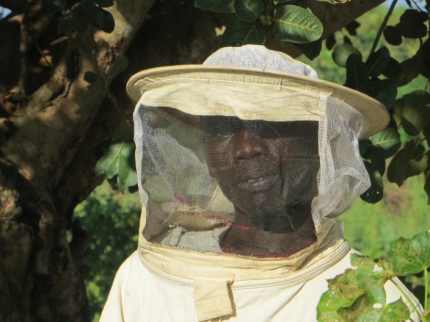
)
(145, 294)
(259, 57)
(180, 272)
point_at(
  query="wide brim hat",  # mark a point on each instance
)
(250, 93)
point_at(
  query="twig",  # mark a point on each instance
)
(23, 46)
(42, 53)
(381, 29)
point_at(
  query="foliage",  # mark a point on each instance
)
(112, 223)
(358, 294)
(380, 76)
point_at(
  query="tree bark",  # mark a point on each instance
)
(47, 154)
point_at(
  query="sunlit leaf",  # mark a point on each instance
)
(117, 165)
(239, 33)
(375, 192)
(356, 72)
(385, 91)
(358, 295)
(393, 36)
(297, 25)
(248, 10)
(341, 53)
(126, 168)
(411, 256)
(378, 61)
(415, 111)
(383, 145)
(215, 5)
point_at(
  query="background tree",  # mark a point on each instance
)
(63, 69)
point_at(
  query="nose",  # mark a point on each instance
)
(248, 145)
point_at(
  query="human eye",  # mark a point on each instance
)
(221, 128)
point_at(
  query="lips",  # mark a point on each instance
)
(257, 181)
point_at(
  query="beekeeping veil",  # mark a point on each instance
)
(238, 153)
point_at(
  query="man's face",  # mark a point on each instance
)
(266, 169)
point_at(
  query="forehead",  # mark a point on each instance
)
(215, 124)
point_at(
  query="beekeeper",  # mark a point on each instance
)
(244, 163)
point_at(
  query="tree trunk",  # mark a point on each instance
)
(47, 154)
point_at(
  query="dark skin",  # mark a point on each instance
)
(268, 171)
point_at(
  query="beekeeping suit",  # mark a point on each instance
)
(244, 163)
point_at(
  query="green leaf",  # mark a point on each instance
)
(411, 256)
(248, 10)
(363, 145)
(411, 68)
(383, 145)
(95, 95)
(375, 192)
(393, 69)
(427, 184)
(378, 61)
(127, 176)
(356, 72)
(346, 40)
(352, 27)
(330, 42)
(239, 33)
(215, 5)
(117, 165)
(378, 164)
(108, 164)
(385, 91)
(90, 77)
(54, 5)
(310, 50)
(97, 16)
(83, 42)
(358, 295)
(74, 23)
(408, 162)
(412, 25)
(413, 16)
(297, 25)
(104, 3)
(392, 36)
(341, 53)
(415, 111)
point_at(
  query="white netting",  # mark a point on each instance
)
(259, 57)
(205, 179)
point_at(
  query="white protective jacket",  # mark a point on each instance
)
(215, 138)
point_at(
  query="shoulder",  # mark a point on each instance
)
(126, 292)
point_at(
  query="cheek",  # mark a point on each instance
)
(218, 155)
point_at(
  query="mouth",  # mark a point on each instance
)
(258, 183)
